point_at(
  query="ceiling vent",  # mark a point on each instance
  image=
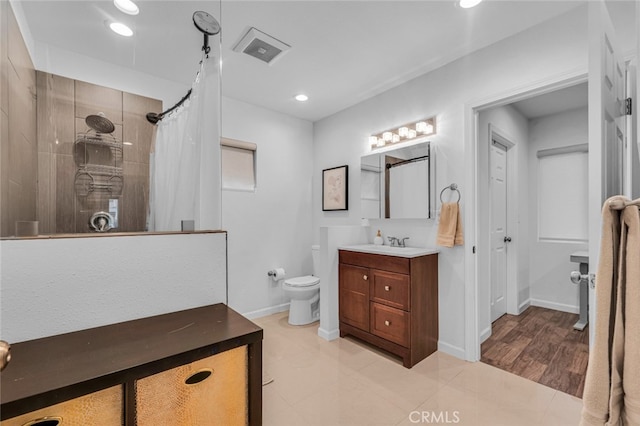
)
(261, 46)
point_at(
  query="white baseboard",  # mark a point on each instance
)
(523, 306)
(451, 350)
(328, 334)
(266, 311)
(555, 306)
(485, 334)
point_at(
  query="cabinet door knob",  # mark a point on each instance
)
(364, 277)
(387, 323)
(387, 288)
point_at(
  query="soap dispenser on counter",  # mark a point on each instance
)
(378, 239)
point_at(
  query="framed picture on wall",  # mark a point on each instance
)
(335, 188)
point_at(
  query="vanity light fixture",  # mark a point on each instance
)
(127, 6)
(404, 133)
(121, 29)
(467, 4)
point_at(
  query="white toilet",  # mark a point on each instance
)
(305, 294)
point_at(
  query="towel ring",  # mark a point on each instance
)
(452, 187)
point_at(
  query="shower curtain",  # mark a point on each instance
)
(612, 388)
(185, 164)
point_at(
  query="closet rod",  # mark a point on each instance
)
(621, 204)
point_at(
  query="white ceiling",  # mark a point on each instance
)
(343, 52)
(573, 97)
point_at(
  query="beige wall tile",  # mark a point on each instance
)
(66, 198)
(137, 129)
(55, 113)
(4, 171)
(4, 58)
(19, 55)
(135, 197)
(92, 99)
(46, 211)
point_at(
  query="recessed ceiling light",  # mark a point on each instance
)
(126, 6)
(466, 4)
(120, 28)
(302, 98)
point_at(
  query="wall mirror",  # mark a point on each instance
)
(398, 183)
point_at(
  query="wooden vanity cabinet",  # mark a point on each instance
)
(390, 302)
(201, 366)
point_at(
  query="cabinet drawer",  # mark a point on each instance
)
(210, 391)
(390, 323)
(102, 408)
(390, 289)
(376, 261)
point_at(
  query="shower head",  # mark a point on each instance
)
(206, 23)
(100, 123)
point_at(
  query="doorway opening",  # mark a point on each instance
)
(532, 157)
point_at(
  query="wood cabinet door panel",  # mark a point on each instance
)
(354, 296)
(390, 289)
(390, 323)
(188, 395)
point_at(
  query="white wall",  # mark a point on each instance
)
(58, 285)
(550, 50)
(549, 262)
(271, 227)
(509, 123)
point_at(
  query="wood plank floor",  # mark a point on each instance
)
(540, 345)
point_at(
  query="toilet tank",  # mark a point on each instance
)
(315, 255)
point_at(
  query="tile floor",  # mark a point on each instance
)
(346, 382)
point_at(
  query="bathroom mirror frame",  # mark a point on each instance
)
(377, 184)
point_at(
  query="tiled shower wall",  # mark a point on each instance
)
(37, 138)
(18, 149)
(63, 105)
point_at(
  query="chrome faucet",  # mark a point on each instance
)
(401, 242)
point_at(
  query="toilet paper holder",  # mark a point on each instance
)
(276, 274)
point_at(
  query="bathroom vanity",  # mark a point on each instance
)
(197, 366)
(388, 297)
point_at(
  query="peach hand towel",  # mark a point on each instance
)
(450, 227)
(612, 391)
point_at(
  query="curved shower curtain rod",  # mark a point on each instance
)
(208, 25)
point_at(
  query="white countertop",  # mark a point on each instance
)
(391, 251)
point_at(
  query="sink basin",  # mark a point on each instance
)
(392, 251)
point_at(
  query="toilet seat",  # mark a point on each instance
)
(306, 281)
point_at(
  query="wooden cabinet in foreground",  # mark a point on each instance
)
(390, 302)
(201, 366)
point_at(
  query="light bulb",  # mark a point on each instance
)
(396, 138)
(403, 132)
(412, 134)
(466, 4)
(126, 6)
(120, 28)
(387, 136)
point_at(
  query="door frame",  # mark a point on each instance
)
(471, 111)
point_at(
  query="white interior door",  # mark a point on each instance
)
(606, 128)
(499, 238)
